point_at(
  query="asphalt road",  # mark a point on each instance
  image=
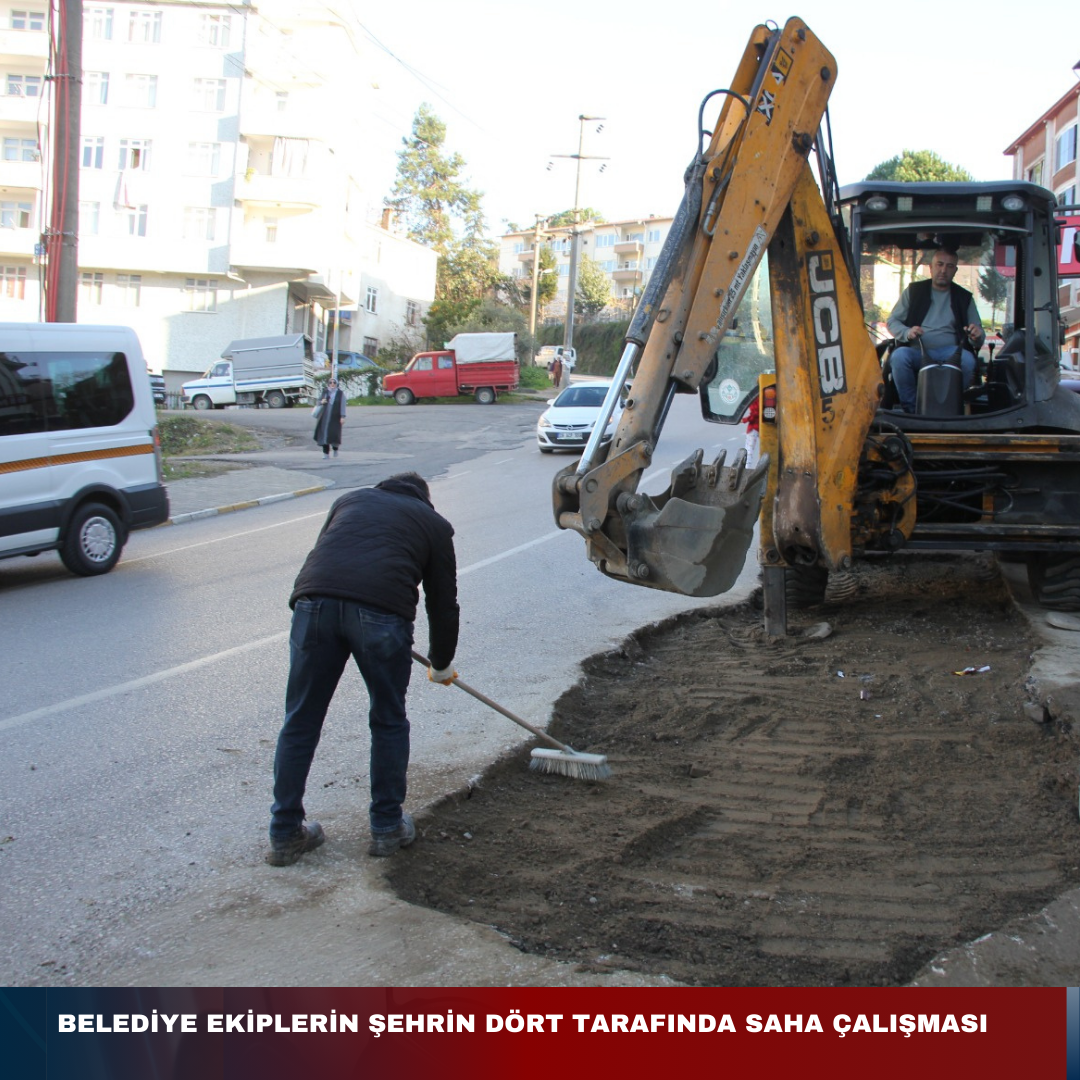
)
(141, 708)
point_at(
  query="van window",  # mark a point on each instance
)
(57, 391)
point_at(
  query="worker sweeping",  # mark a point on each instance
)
(356, 594)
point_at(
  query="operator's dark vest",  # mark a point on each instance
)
(919, 293)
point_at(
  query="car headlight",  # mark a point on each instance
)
(544, 422)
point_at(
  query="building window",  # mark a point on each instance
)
(93, 152)
(97, 23)
(371, 347)
(20, 150)
(282, 101)
(270, 224)
(16, 215)
(89, 218)
(204, 158)
(607, 265)
(209, 95)
(95, 88)
(135, 219)
(130, 286)
(90, 288)
(144, 27)
(13, 282)
(650, 262)
(199, 222)
(28, 20)
(200, 294)
(214, 30)
(605, 240)
(372, 302)
(652, 236)
(24, 85)
(1065, 148)
(141, 91)
(412, 313)
(134, 154)
(1067, 197)
(1035, 173)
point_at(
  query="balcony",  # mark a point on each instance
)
(628, 247)
(525, 256)
(252, 254)
(627, 272)
(15, 109)
(264, 120)
(19, 241)
(270, 190)
(23, 45)
(27, 175)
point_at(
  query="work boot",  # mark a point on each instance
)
(285, 852)
(386, 843)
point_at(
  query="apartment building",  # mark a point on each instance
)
(625, 250)
(1046, 154)
(217, 190)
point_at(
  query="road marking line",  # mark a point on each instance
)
(137, 684)
(218, 540)
(510, 551)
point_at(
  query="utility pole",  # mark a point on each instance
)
(537, 233)
(571, 284)
(62, 235)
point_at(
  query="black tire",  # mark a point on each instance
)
(404, 397)
(485, 395)
(804, 586)
(276, 399)
(93, 541)
(1055, 581)
(202, 403)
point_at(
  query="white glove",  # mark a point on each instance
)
(445, 676)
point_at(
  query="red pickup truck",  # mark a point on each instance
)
(476, 367)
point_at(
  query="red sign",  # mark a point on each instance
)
(1068, 256)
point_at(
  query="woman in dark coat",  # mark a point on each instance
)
(331, 417)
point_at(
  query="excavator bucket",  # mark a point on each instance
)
(694, 538)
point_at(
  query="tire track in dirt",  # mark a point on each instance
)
(767, 825)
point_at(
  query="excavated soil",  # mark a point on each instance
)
(796, 812)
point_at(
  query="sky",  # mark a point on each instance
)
(510, 81)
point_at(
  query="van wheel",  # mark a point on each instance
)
(485, 395)
(202, 403)
(275, 399)
(404, 397)
(1055, 581)
(93, 541)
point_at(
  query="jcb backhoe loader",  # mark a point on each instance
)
(995, 467)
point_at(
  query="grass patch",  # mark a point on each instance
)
(186, 435)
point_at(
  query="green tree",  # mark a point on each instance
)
(593, 289)
(566, 217)
(440, 211)
(547, 285)
(993, 286)
(444, 314)
(489, 316)
(915, 165)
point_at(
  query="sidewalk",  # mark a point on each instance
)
(238, 489)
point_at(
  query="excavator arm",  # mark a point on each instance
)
(750, 192)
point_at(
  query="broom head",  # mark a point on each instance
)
(571, 763)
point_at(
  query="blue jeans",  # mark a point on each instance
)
(325, 631)
(908, 359)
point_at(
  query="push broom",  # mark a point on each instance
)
(562, 759)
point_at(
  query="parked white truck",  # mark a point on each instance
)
(272, 371)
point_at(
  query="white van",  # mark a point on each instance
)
(80, 459)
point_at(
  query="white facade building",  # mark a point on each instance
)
(625, 250)
(217, 191)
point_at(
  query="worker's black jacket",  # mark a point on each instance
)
(376, 547)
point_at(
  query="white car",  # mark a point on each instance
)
(568, 422)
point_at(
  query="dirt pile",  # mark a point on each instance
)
(804, 811)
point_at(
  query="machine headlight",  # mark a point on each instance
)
(1013, 202)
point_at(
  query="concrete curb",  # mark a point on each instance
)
(248, 504)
